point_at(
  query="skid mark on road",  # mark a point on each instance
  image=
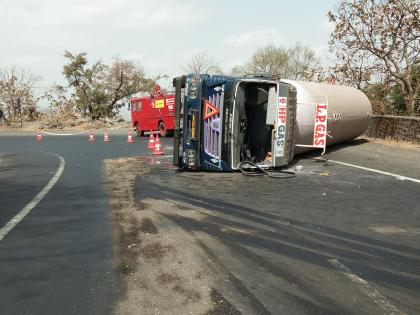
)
(28, 208)
(366, 288)
(397, 176)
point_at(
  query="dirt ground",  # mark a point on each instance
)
(79, 126)
(164, 270)
(395, 143)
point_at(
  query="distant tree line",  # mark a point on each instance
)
(375, 42)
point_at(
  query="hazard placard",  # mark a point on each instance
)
(159, 103)
(210, 110)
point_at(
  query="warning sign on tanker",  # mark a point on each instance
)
(159, 103)
(320, 126)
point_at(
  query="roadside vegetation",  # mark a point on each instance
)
(375, 45)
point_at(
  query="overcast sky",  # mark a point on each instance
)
(161, 34)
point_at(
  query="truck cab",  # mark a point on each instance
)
(230, 120)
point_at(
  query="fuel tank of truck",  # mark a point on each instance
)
(348, 111)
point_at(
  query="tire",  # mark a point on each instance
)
(140, 133)
(162, 129)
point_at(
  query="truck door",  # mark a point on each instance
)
(282, 110)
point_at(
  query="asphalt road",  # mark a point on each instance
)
(333, 240)
(59, 258)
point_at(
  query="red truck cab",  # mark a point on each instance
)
(153, 112)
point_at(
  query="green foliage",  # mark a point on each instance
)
(390, 98)
(98, 87)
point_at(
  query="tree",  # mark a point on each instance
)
(298, 62)
(386, 34)
(17, 93)
(353, 69)
(99, 87)
(302, 63)
(396, 95)
(62, 106)
(202, 63)
(269, 59)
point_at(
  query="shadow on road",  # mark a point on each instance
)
(256, 233)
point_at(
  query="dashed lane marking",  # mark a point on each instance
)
(28, 208)
(397, 176)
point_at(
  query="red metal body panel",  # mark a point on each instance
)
(148, 111)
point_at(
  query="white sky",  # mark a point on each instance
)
(161, 34)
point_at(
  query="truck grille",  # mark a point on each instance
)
(213, 108)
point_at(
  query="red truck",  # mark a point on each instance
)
(153, 112)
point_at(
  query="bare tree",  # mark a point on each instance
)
(355, 68)
(202, 63)
(62, 106)
(302, 63)
(269, 59)
(17, 94)
(386, 34)
(298, 62)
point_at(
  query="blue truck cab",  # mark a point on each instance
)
(229, 120)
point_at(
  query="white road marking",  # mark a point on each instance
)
(28, 208)
(366, 288)
(63, 134)
(399, 177)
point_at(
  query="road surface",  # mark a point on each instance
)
(335, 239)
(59, 258)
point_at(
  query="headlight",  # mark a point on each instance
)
(192, 90)
(191, 156)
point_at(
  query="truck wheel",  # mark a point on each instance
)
(140, 133)
(162, 129)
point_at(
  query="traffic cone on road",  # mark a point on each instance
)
(39, 135)
(107, 138)
(151, 144)
(130, 137)
(158, 147)
(91, 136)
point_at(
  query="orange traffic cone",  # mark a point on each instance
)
(151, 144)
(107, 138)
(158, 147)
(130, 137)
(91, 136)
(39, 135)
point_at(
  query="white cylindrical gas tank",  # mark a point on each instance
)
(348, 112)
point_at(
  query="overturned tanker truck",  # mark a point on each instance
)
(227, 121)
